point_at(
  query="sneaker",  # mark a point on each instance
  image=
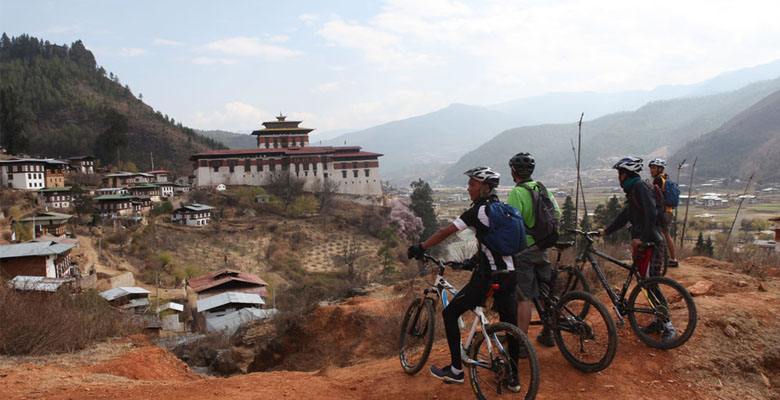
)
(514, 384)
(669, 335)
(546, 338)
(654, 327)
(673, 264)
(447, 375)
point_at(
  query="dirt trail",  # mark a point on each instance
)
(734, 354)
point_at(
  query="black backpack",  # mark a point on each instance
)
(545, 230)
(660, 208)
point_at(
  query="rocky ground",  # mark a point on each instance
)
(734, 354)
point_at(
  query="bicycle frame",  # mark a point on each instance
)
(440, 288)
(618, 301)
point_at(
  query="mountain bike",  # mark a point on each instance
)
(655, 307)
(583, 329)
(485, 353)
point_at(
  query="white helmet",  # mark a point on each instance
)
(658, 162)
(484, 175)
(632, 164)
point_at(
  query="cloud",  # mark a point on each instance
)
(132, 52)
(249, 47)
(166, 42)
(377, 46)
(308, 19)
(278, 38)
(331, 86)
(234, 116)
(210, 60)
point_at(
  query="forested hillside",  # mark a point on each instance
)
(55, 101)
(749, 143)
(659, 128)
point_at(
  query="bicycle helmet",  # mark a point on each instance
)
(631, 164)
(484, 175)
(522, 163)
(658, 162)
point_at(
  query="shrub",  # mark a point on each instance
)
(34, 323)
(304, 205)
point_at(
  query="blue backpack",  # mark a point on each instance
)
(671, 192)
(506, 235)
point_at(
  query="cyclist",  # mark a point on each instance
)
(531, 263)
(481, 188)
(657, 166)
(640, 211)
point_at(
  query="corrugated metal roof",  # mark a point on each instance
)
(171, 306)
(41, 160)
(230, 322)
(31, 249)
(37, 283)
(118, 292)
(198, 207)
(211, 280)
(228, 298)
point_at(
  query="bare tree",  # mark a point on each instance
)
(350, 252)
(325, 191)
(286, 187)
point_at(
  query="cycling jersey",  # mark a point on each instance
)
(476, 219)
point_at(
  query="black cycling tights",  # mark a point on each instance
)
(472, 295)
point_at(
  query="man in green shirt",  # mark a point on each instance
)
(532, 263)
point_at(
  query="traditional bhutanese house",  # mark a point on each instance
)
(82, 164)
(40, 283)
(115, 205)
(128, 298)
(142, 205)
(49, 259)
(149, 190)
(104, 191)
(32, 173)
(48, 223)
(283, 147)
(160, 175)
(180, 188)
(169, 314)
(56, 198)
(192, 215)
(228, 280)
(124, 179)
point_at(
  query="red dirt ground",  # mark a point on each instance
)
(734, 354)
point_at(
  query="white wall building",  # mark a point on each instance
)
(192, 215)
(283, 148)
(28, 173)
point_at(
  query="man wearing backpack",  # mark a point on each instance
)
(540, 213)
(487, 264)
(667, 187)
(641, 212)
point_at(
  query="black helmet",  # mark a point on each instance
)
(484, 175)
(522, 164)
(631, 164)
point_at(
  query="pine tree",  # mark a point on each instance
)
(422, 206)
(567, 217)
(699, 248)
(708, 247)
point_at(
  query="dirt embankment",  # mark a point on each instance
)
(734, 354)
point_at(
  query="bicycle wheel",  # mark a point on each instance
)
(417, 331)
(590, 342)
(569, 279)
(661, 312)
(492, 374)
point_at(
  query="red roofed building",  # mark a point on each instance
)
(228, 280)
(283, 147)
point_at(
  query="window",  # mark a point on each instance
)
(343, 174)
(232, 169)
(247, 166)
(259, 164)
(354, 165)
(367, 172)
(216, 167)
(354, 173)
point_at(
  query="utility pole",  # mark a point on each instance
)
(151, 155)
(578, 184)
(674, 228)
(687, 204)
(736, 216)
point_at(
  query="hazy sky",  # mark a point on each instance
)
(354, 64)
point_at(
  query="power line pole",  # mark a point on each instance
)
(578, 184)
(736, 216)
(687, 204)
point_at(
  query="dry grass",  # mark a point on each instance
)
(33, 323)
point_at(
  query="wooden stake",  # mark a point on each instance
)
(687, 204)
(736, 216)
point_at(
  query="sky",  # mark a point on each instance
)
(347, 65)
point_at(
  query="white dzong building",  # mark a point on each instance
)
(283, 146)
